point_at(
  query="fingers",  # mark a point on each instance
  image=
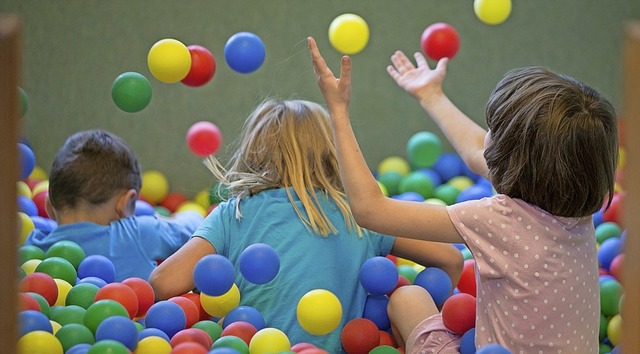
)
(420, 60)
(345, 71)
(401, 63)
(442, 64)
(319, 65)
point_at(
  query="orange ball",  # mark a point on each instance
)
(120, 293)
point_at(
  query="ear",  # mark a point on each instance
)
(126, 204)
(51, 211)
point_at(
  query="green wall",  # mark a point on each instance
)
(73, 50)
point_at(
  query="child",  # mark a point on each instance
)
(93, 187)
(286, 192)
(551, 153)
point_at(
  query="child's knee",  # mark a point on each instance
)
(405, 295)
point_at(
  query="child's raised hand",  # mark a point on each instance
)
(336, 91)
(420, 81)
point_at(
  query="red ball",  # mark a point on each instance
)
(195, 298)
(144, 292)
(613, 213)
(467, 282)
(440, 40)
(204, 138)
(42, 284)
(120, 293)
(203, 66)
(192, 335)
(173, 200)
(459, 313)
(241, 329)
(189, 308)
(313, 351)
(616, 267)
(28, 302)
(298, 347)
(40, 200)
(402, 281)
(359, 336)
(386, 339)
(189, 348)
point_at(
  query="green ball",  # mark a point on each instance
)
(29, 252)
(68, 250)
(24, 101)
(58, 267)
(423, 149)
(384, 349)
(160, 210)
(82, 295)
(604, 348)
(610, 293)
(131, 92)
(138, 325)
(408, 272)
(391, 181)
(607, 230)
(101, 310)
(21, 273)
(108, 346)
(232, 342)
(213, 329)
(218, 193)
(447, 193)
(69, 314)
(74, 333)
(603, 327)
(45, 308)
(417, 182)
(466, 254)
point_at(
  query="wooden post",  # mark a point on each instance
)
(10, 56)
(631, 207)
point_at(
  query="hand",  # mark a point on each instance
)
(421, 81)
(336, 91)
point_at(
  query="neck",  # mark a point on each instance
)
(102, 214)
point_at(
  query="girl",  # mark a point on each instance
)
(285, 191)
(551, 153)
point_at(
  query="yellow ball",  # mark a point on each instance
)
(394, 164)
(39, 342)
(23, 189)
(153, 345)
(269, 340)
(349, 33)
(319, 312)
(25, 226)
(38, 173)
(460, 182)
(404, 261)
(55, 325)
(42, 186)
(193, 206)
(614, 330)
(622, 158)
(492, 12)
(169, 60)
(219, 306)
(155, 186)
(383, 189)
(435, 201)
(202, 198)
(30, 265)
(63, 290)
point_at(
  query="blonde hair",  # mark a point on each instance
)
(287, 143)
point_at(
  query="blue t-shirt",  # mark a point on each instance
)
(133, 244)
(308, 261)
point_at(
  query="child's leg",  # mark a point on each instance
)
(408, 306)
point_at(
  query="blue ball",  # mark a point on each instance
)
(466, 171)
(82, 348)
(244, 314)
(448, 165)
(144, 208)
(223, 350)
(166, 316)
(468, 342)
(493, 349)
(214, 275)
(473, 193)
(120, 329)
(608, 250)
(598, 218)
(97, 266)
(148, 332)
(93, 280)
(409, 196)
(31, 320)
(375, 309)
(27, 206)
(437, 282)
(244, 52)
(433, 175)
(27, 160)
(378, 275)
(259, 263)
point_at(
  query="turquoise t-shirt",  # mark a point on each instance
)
(308, 261)
(133, 244)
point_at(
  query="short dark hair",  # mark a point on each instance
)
(554, 142)
(93, 166)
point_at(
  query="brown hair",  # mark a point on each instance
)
(554, 142)
(93, 166)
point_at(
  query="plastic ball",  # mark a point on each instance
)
(195, 298)
(246, 314)
(121, 293)
(616, 266)
(378, 275)
(202, 198)
(607, 230)
(40, 283)
(173, 200)
(213, 329)
(448, 166)
(39, 173)
(27, 302)
(68, 250)
(30, 266)
(68, 314)
(394, 164)
(27, 206)
(384, 349)
(608, 250)
(190, 309)
(461, 182)
(375, 309)
(31, 320)
(169, 60)
(40, 199)
(446, 193)
(204, 138)
(417, 182)
(82, 294)
(166, 316)
(459, 313)
(73, 334)
(319, 312)
(423, 149)
(474, 192)
(214, 274)
(492, 12)
(614, 212)
(189, 348)
(614, 329)
(144, 293)
(349, 33)
(610, 292)
(101, 310)
(437, 282)
(153, 345)
(143, 208)
(269, 340)
(27, 160)
(155, 186)
(97, 266)
(467, 282)
(59, 268)
(108, 346)
(120, 329)
(131, 92)
(244, 52)
(203, 66)
(240, 329)
(93, 280)
(23, 189)
(391, 182)
(38, 342)
(231, 342)
(25, 226)
(468, 342)
(493, 349)
(359, 335)
(259, 263)
(219, 306)
(440, 40)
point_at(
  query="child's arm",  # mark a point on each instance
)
(371, 209)
(174, 276)
(431, 254)
(425, 85)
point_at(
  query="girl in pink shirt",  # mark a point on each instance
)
(550, 152)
